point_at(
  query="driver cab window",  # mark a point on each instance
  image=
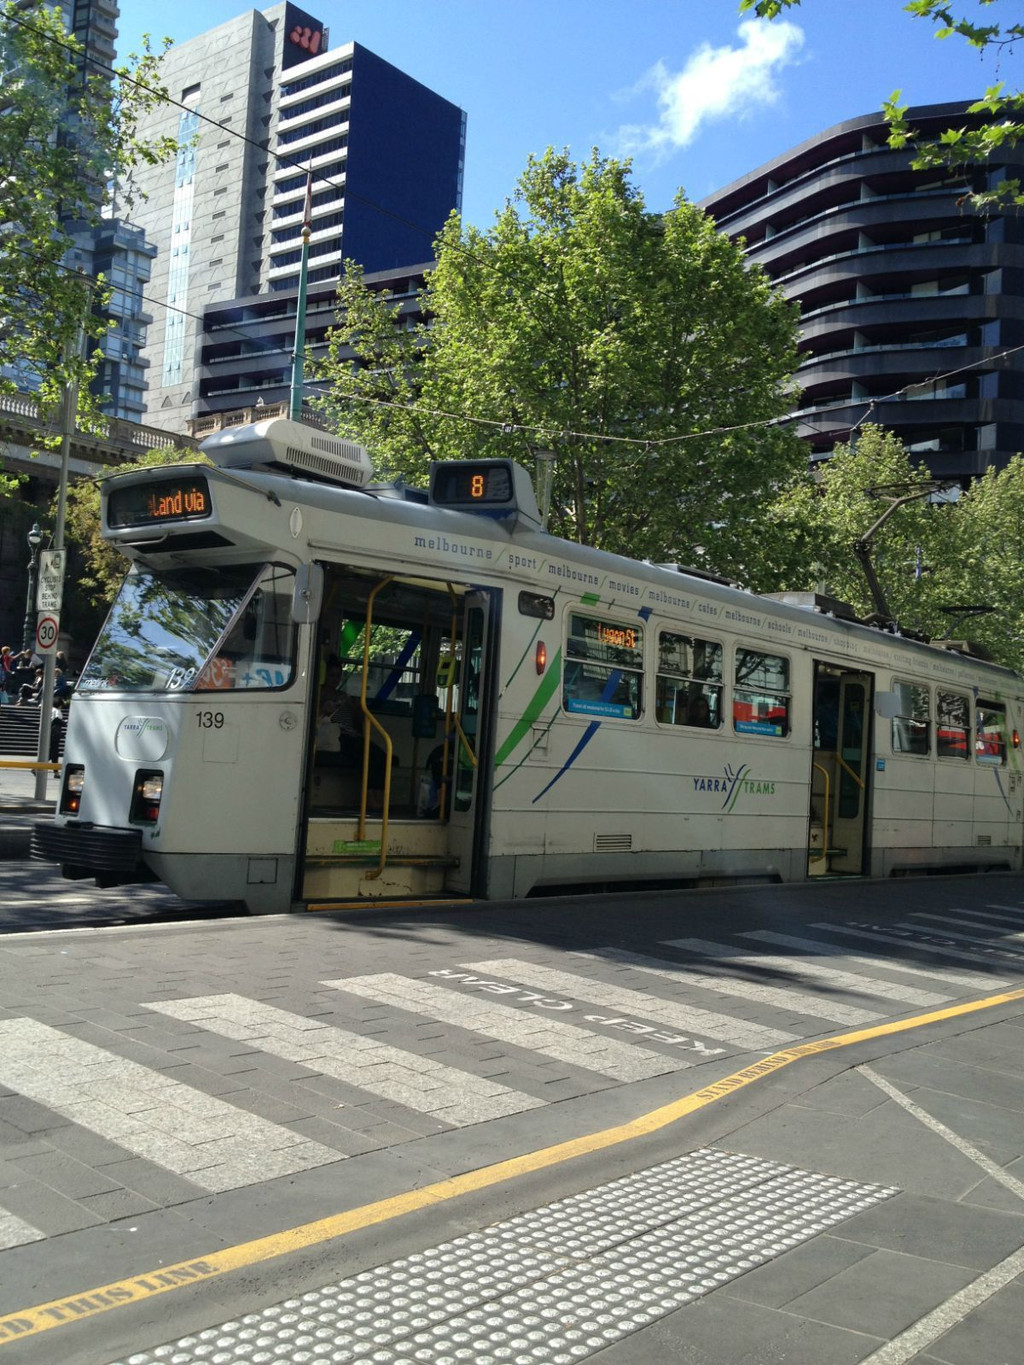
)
(258, 651)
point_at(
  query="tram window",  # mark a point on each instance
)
(953, 725)
(990, 744)
(393, 661)
(688, 689)
(911, 726)
(603, 673)
(162, 627)
(258, 651)
(760, 699)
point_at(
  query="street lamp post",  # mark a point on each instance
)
(35, 540)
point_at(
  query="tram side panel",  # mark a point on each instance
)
(947, 796)
(591, 795)
(999, 783)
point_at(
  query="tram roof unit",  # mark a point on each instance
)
(278, 443)
(488, 547)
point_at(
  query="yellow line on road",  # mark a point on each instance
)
(44, 1317)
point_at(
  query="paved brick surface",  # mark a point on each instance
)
(180, 1084)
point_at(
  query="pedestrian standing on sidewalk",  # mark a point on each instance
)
(6, 675)
(56, 730)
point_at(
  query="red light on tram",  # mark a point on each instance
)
(1016, 739)
(542, 656)
(146, 798)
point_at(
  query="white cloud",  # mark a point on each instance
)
(716, 83)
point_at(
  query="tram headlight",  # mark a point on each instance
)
(71, 791)
(146, 798)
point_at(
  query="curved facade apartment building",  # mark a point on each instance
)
(909, 299)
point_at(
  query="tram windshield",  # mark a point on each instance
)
(174, 630)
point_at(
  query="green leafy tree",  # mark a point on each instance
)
(936, 559)
(66, 132)
(981, 564)
(639, 349)
(958, 147)
(840, 503)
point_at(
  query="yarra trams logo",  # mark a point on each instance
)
(733, 785)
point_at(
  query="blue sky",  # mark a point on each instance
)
(695, 92)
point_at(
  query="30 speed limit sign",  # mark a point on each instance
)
(47, 630)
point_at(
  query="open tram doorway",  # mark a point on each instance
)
(840, 771)
(396, 782)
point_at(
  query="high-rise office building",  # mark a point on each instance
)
(912, 303)
(258, 101)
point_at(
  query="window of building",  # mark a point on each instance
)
(688, 689)
(911, 726)
(603, 668)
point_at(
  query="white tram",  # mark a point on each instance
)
(517, 713)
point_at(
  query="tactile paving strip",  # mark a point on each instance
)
(551, 1286)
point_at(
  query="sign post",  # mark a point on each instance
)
(52, 562)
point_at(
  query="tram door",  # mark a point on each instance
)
(471, 740)
(840, 771)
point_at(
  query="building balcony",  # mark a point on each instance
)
(905, 311)
(892, 269)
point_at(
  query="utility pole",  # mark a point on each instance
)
(73, 348)
(298, 354)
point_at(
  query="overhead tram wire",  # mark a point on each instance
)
(283, 158)
(521, 428)
(512, 427)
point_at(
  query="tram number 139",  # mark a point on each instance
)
(210, 720)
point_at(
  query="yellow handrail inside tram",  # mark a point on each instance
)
(370, 719)
(824, 836)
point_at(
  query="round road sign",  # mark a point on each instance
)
(47, 630)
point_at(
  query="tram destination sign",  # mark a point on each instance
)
(184, 498)
(471, 484)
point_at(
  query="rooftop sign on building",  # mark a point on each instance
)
(304, 37)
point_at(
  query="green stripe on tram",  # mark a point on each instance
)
(534, 707)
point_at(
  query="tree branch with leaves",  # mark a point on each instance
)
(996, 120)
(625, 342)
